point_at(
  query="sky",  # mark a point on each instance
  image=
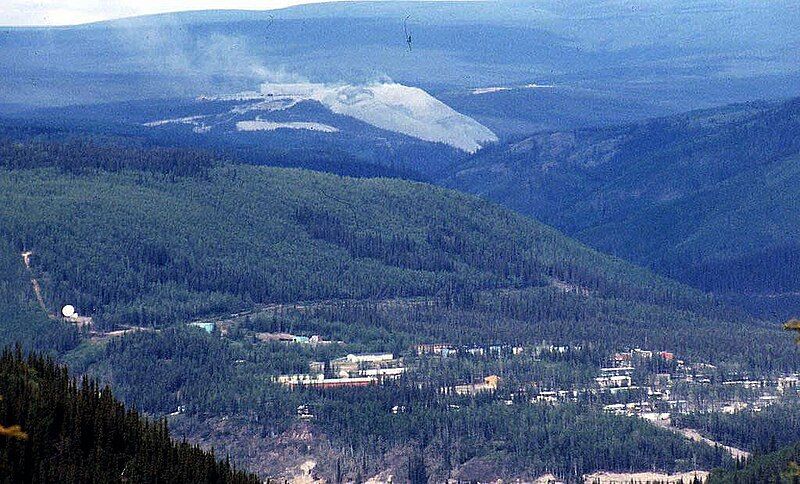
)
(71, 12)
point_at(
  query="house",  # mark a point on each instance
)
(319, 340)
(749, 384)
(71, 316)
(496, 350)
(550, 397)
(658, 418)
(370, 358)
(615, 408)
(661, 380)
(207, 327)
(383, 374)
(293, 338)
(361, 381)
(548, 479)
(492, 381)
(298, 379)
(353, 365)
(616, 371)
(733, 407)
(615, 381)
(476, 351)
(81, 321)
(667, 356)
(281, 337)
(678, 406)
(622, 359)
(658, 394)
(630, 409)
(319, 381)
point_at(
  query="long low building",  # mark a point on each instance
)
(319, 381)
(363, 378)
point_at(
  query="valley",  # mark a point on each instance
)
(424, 266)
(401, 242)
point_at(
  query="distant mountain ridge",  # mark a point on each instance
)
(613, 62)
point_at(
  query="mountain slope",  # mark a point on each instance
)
(157, 247)
(708, 197)
(81, 433)
(232, 232)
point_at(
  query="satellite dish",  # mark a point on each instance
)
(68, 311)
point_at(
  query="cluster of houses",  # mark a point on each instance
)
(656, 398)
(348, 371)
(625, 358)
(616, 379)
(649, 384)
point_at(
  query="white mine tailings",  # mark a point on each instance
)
(393, 107)
(390, 106)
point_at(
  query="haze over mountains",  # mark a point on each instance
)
(462, 86)
(664, 56)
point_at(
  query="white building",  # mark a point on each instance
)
(370, 358)
(786, 383)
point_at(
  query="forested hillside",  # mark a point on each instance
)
(375, 264)
(67, 431)
(150, 248)
(763, 432)
(782, 466)
(706, 197)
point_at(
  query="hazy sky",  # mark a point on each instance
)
(70, 12)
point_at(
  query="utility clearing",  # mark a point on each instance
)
(37, 289)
